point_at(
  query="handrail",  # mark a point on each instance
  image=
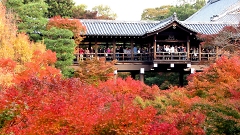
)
(160, 56)
(171, 55)
(118, 56)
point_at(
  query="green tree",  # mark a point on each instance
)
(13, 4)
(61, 42)
(15, 48)
(60, 7)
(104, 12)
(30, 16)
(158, 13)
(81, 12)
(183, 8)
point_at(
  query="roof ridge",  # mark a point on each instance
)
(168, 21)
(194, 22)
(117, 21)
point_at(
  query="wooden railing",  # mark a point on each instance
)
(203, 57)
(161, 56)
(171, 56)
(118, 56)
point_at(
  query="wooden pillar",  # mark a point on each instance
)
(107, 45)
(217, 53)
(124, 44)
(200, 52)
(114, 49)
(188, 48)
(181, 78)
(131, 42)
(96, 48)
(154, 47)
(149, 56)
(89, 45)
(141, 77)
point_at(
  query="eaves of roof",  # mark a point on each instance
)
(117, 28)
(209, 27)
(141, 28)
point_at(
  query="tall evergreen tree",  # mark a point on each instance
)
(61, 8)
(30, 15)
(61, 42)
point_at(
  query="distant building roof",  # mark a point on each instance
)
(230, 17)
(209, 27)
(214, 9)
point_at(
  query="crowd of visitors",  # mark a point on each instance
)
(165, 52)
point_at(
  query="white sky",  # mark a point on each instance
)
(129, 10)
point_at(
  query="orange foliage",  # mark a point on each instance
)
(129, 87)
(73, 25)
(219, 81)
(56, 106)
(94, 70)
(41, 66)
(7, 67)
(51, 105)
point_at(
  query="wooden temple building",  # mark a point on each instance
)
(168, 45)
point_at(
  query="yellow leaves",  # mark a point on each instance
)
(39, 46)
(22, 48)
(5, 78)
(15, 46)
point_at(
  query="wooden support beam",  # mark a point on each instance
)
(200, 52)
(154, 46)
(96, 47)
(181, 78)
(131, 42)
(188, 48)
(114, 48)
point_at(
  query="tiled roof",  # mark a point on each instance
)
(166, 22)
(140, 28)
(161, 24)
(214, 8)
(208, 28)
(117, 28)
(233, 17)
